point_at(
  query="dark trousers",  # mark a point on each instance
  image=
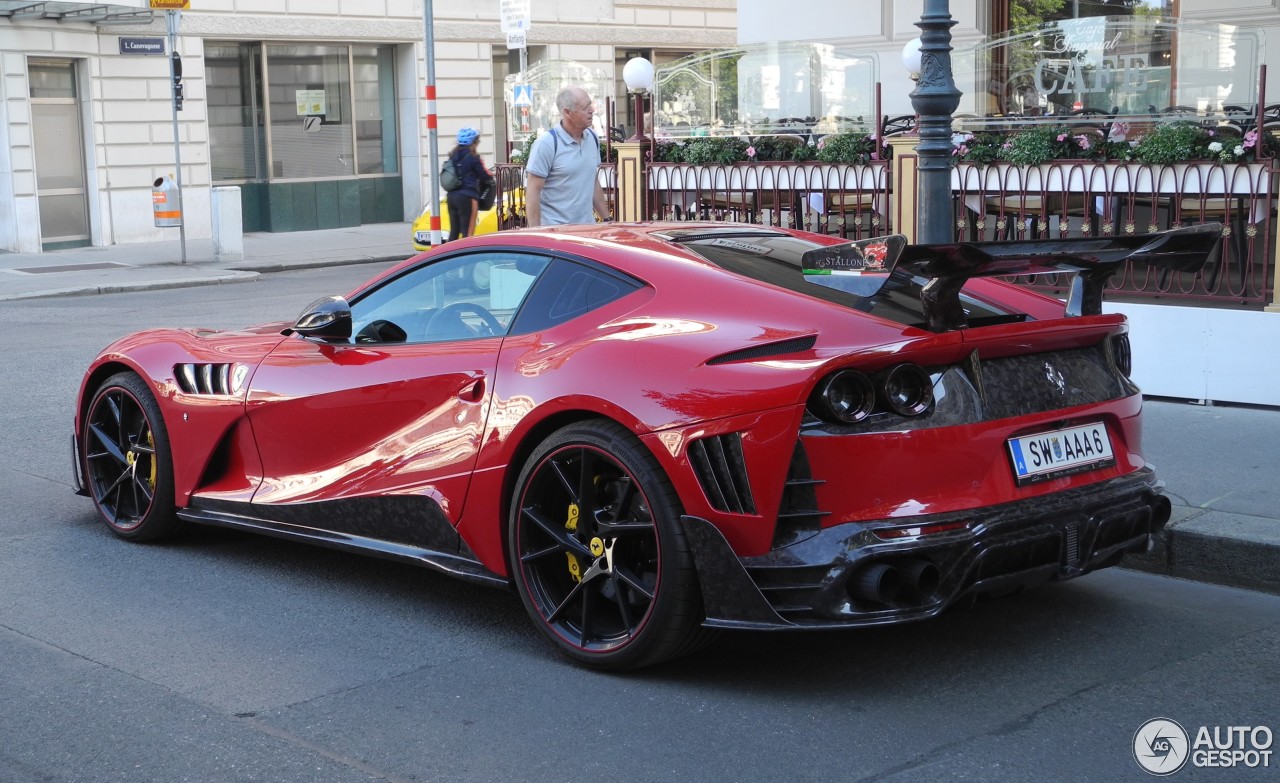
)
(460, 208)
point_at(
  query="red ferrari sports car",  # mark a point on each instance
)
(656, 430)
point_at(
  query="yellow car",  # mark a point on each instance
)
(486, 221)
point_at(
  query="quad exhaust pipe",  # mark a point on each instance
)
(883, 583)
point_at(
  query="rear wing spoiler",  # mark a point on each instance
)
(948, 267)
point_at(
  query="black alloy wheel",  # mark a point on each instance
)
(127, 460)
(598, 556)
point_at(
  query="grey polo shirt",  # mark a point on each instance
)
(569, 168)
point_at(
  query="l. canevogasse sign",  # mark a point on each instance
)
(1125, 64)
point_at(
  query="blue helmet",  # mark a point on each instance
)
(467, 136)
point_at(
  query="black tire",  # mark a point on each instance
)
(597, 553)
(127, 462)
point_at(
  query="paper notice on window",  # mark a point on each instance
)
(309, 101)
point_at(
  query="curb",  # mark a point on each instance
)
(234, 273)
(1220, 548)
(317, 263)
(241, 276)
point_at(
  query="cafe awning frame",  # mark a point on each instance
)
(90, 13)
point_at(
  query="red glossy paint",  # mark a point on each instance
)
(452, 421)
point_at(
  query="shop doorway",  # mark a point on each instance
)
(58, 138)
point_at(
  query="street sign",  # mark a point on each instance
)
(522, 95)
(131, 45)
(517, 39)
(170, 5)
(516, 15)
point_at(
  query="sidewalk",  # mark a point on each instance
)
(150, 266)
(1223, 484)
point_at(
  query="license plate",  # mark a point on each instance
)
(1048, 455)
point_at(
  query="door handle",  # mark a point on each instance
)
(473, 390)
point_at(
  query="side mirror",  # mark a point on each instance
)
(328, 319)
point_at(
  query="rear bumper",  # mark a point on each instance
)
(822, 582)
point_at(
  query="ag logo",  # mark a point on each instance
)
(1160, 746)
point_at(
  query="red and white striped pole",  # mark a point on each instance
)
(433, 133)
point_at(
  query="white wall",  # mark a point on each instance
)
(1204, 353)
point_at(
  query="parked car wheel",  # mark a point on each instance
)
(598, 556)
(127, 460)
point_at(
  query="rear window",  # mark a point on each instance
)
(775, 258)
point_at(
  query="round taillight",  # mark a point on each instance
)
(844, 397)
(907, 389)
(1123, 354)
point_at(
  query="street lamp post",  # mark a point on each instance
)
(638, 74)
(935, 99)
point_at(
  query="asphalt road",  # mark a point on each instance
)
(226, 657)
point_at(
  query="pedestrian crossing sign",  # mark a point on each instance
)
(522, 95)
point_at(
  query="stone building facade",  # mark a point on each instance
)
(313, 108)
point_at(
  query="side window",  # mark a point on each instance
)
(566, 290)
(456, 298)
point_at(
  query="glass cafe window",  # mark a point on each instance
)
(1141, 63)
(769, 88)
(1024, 15)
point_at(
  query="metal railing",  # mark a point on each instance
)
(992, 203)
(1079, 199)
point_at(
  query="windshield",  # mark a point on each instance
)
(775, 258)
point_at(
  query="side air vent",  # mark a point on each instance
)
(209, 378)
(799, 516)
(722, 472)
(780, 348)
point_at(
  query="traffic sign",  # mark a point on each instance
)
(522, 95)
(517, 39)
(516, 15)
(170, 5)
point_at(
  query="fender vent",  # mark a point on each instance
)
(799, 516)
(722, 472)
(795, 345)
(206, 378)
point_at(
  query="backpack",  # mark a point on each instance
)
(449, 179)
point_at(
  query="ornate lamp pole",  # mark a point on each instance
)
(935, 99)
(632, 197)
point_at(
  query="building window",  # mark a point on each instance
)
(301, 111)
(233, 89)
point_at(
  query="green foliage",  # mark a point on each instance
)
(1039, 145)
(980, 149)
(1175, 142)
(847, 148)
(702, 151)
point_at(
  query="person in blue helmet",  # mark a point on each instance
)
(464, 202)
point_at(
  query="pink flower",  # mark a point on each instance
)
(1119, 131)
(1062, 137)
(1250, 139)
(751, 152)
(1008, 145)
(821, 143)
(1084, 142)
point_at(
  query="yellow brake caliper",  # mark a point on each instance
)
(571, 524)
(151, 442)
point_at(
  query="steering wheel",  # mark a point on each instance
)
(451, 314)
